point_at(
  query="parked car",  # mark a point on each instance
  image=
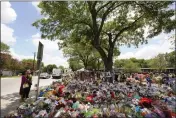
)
(57, 73)
(44, 76)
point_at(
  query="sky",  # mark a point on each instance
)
(17, 32)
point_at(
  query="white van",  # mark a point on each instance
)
(56, 73)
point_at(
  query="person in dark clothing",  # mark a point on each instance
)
(149, 81)
(29, 77)
(165, 79)
(24, 86)
(116, 77)
(123, 78)
(136, 78)
(132, 75)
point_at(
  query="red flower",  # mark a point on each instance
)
(89, 98)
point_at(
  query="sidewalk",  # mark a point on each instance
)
(10, 102)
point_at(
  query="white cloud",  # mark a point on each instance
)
(8, 15)
(163, 45)
(7, 35)
(47, 58)
(58, 60)
(49, 46)
(52, 54)
(35, 4)
(18, 56)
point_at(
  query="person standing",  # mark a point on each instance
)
(149, 81)
(111, 79)
(123, 78)
(29, 77)
(24, 86)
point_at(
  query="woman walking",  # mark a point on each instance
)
(29, 77)
(24, 86)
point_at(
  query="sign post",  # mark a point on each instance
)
(39, 60)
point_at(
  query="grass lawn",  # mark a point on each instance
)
(11, 77)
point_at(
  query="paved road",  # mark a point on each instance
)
(10, 93)
(12, 85)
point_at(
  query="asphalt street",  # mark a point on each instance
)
(10, 92)
(12, 85)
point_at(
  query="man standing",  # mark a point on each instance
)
(108, 77)
(113, 76)
(149, 81)
(29, 77)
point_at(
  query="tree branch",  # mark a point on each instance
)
(94, 23)
(106, 49)
(94, 4)
(104, 6)
(110, 38)
(104, 17)
(100, 50)
(82, 58)
(89, 4)
(126, 28)
(107, 12)
(83, 22)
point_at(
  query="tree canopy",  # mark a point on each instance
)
(7, 62)
(75, 64)
(4, 48)
(28, 64)
(86, 53)
(113, 23)
(79, 50)
(131, 67)
(49, 68)
(142, 63)
(160, 62)
(62, 68)
(170, 58)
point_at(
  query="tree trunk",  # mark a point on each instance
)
(108, 65)
(85, 65)
(98, 68)
(108, 61)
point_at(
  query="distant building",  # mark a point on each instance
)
(7, 73)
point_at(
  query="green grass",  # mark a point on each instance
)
(10, 76)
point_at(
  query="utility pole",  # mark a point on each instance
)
(34, 63)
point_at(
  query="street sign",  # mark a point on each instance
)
(39, 60)
(38, 64)
(40, 51)
(39, 55)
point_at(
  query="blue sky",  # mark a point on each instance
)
(22, 37)
(23, 30)
(18, 32)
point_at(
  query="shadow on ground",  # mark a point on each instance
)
(10, 102)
